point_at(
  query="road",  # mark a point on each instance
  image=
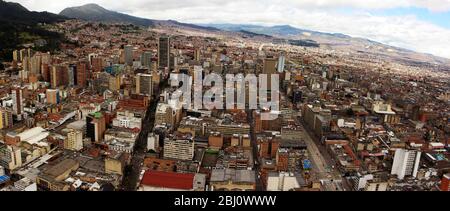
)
(323, 163)
(132, 172)
(251, 122)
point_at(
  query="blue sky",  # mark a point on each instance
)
(438, 18)
(419, 25)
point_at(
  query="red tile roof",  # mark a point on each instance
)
(168, 180)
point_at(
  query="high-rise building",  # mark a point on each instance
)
(128, 52)
(270, 65)
(59, 76)
(281, 63)
(178, 149)
(10, 157)
(45, 72)
(95, 126)
(114, 82)
(72, 71)
(16, 56)
(82, 73)
(97, 64)
(52, 96)
(144, 84)
(17, 98)
(406, 163)
(74, 140)
(164, 52)
(197, 54)
(146, 59)
(6, 118)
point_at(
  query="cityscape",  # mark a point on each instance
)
(97, 100)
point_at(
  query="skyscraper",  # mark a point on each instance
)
(406, 163)
(95, 126)
(197, 54)
(164, 52)
(128, 51)
(144, 84)
(74, 140)
(146, 59)
(82, 73)
(6, 119)
(59, 76)
(17, 98)
(281, 63)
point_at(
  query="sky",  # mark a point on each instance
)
(419, 25)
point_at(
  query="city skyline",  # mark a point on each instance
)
(411, 24)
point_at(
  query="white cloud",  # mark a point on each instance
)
(402, 31)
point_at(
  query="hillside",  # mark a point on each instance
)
(18, 26)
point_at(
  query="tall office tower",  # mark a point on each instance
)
(74, 140)
(164, 52)
(6, 118)
(270, 65)
(45, 72)
(17, 97)
(281, 63)
(95, 126)
(72, 74)
(59, 76)
(406, 163)
(144, 84)
(52, 96)
(128, 51)
(146, 59)
(197, 54)
(82, 73)
(269, 68)
(35, 63)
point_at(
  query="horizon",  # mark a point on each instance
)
(415, 25)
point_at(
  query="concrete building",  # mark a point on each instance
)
(127, 119)
(284, 181)
(10, 157)
(232, 180)
(74, 140)
(164, 52)
(53, 178)
(17, 98)
(406, 163)
(144, 84)
(179, 149)
(95, 126)
(52, 96)
(6, 118)
(128, 52)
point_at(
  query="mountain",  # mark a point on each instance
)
(18, 26)
(94, 12)
(337, 41)
(16, 13)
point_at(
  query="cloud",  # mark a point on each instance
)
(322, 15)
